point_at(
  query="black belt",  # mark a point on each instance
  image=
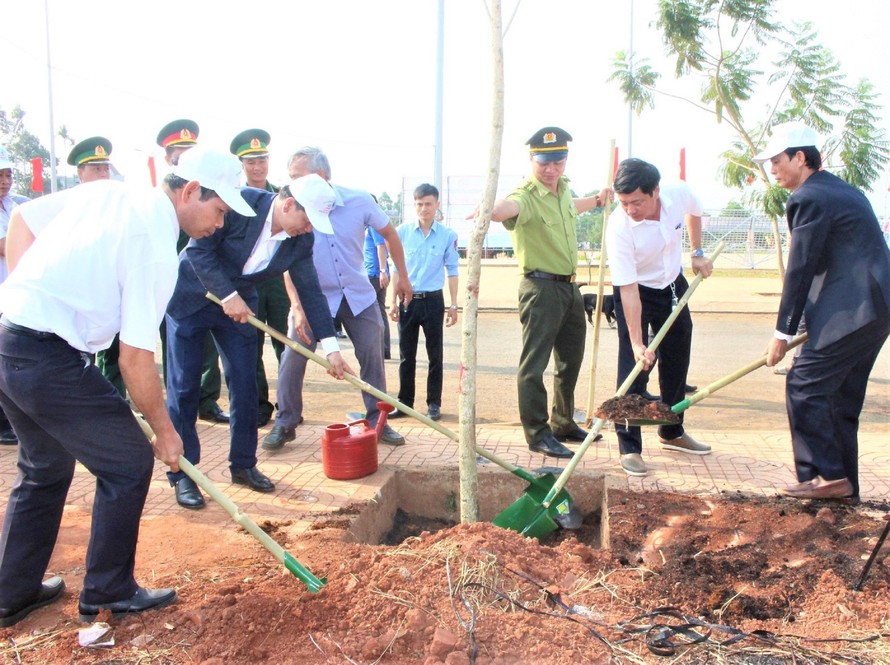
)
(16, 329)
(539, 274)
(420, 295)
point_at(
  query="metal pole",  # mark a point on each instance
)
(53, 185)
(440, 64)
(630, 65)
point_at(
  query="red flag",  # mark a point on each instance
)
(614, 164)
(683, 164)
(36, 174)
(151, 172)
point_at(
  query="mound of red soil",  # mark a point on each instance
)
(707, 579)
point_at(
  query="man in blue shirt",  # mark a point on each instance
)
(431, 254)
(377, 267)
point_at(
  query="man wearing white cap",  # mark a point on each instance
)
(63, 302)
(339, 262)
(247, 251)
(838, 278)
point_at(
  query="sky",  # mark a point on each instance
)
(357, 78)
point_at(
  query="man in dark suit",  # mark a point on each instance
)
(838, 278)
(229, 264)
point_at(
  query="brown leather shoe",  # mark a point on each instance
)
(819, 488)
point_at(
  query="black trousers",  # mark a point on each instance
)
(272, 309)
(427, 314)
(672, 354)
(63, 411)
(824, 393)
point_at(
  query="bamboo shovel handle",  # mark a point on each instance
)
(598, 310)
(368, 388)
(711, 388)
(625, 386)
(276, 550)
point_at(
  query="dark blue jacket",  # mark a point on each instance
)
(215, 264)
(838, 266)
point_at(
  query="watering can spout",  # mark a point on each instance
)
(385, 409)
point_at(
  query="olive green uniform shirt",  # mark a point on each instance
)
(543, 233)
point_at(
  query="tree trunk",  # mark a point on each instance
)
(469, 482)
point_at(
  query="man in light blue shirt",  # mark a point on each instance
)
(431, 254)
(377, 267)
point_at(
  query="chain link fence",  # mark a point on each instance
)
(748, 236)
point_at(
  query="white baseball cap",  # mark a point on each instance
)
(317, 196)
(5, 161)
(787, 135)
(216, 170)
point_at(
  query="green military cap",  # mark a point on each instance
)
(94, 150)
(250, 143)
(178, 133)
(549, 144)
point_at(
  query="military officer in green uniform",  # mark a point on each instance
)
(175, 138)
(92, 157)
(252, 147)
(540, 215)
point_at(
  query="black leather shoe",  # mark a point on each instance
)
(279, 435)
(253, 478)
(8, 437)
(690, 389)
(187, 494)
(550, 447)
(214, 414)
(142, 600)
(577, 434)
(50, 590)
(434, 412)
(263, 419)
(649, 396)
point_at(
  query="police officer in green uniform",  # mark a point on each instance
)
(175, 138)
(252, 147)
(540, 215)
(92, 157)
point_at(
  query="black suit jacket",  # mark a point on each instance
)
(838, 273)
(215, 264)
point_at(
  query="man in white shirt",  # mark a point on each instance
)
(643, 240)
(84, 264)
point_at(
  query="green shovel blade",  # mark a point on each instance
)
(302, 573)
(527, 514)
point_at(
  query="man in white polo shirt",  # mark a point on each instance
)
(643, 240)
(85, 264)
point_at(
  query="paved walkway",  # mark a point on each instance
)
(743, 460)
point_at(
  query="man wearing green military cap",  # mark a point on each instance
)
(252, 147)
(92, 157)
(175, 138)
(540, 215)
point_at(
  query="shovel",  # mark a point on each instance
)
(530, 516)
(563, 509)
(295, 567)
(710, 389)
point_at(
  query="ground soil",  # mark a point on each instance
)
(688, 579)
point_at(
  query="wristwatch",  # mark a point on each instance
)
(697, 253)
